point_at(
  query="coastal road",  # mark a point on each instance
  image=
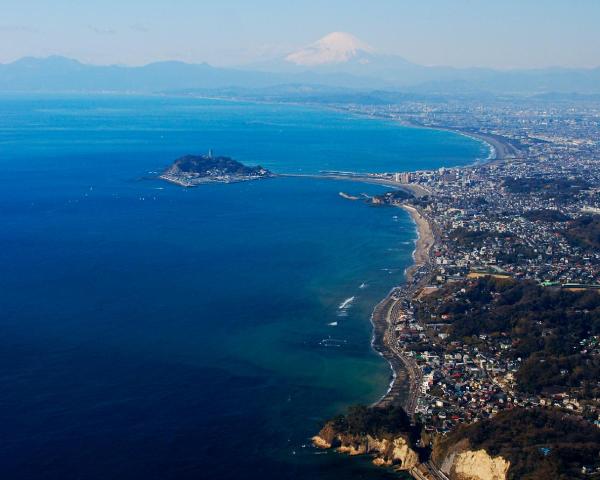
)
(387, 314)
(435, 472)
(427, 471)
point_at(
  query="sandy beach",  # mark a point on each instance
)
(406, 376)
(425, 240)
(501, 146)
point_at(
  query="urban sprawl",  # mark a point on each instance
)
(524, 219)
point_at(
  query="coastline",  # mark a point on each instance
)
(499, 147)
(401, 392)
(382, 316)
(404, 387)
(405, 377)
(403, 368)
(425, 240)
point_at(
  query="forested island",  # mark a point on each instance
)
(192, 170)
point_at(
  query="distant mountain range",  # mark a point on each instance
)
(336, 60)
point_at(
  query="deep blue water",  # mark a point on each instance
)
(149, 331)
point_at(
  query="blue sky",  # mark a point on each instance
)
(503, 33)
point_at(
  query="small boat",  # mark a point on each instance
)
(348, 196)
(346, 303)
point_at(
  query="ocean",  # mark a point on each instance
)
(154, 332)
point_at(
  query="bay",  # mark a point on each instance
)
(150, 331)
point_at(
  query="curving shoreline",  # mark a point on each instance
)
(425, 239)
(382, 316)
(499, 146)
(403, 367)
(406, 378)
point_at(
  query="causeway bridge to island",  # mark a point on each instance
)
(373, 178)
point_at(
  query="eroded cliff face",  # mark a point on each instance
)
(462, 463)
(395, 452)
(458, 461)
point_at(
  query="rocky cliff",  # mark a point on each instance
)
(460, 462)
(537, 444)
(394, 451)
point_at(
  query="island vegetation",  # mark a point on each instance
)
(191, 170)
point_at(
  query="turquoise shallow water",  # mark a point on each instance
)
(155, 332)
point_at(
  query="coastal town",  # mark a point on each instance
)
(311, 240)
(499, 316)
(498, 240)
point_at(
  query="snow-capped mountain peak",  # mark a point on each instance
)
(335, 48)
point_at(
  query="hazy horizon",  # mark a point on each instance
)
(461, 34)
